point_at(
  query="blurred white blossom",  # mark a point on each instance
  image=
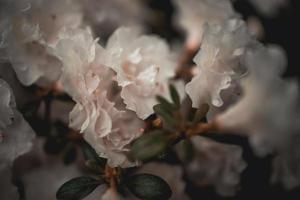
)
(216, 164)
(7, 190)
(144, 65)
(220, 61)
(268, 113)
(29, 34)
(269, 7)
(106, 16)
(15, 133)
(193, 14)
(268, 105)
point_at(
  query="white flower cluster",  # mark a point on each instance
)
(143, 65)
(240, 79)
(45, 43)
(268, 112)
(28, 32)
(220, 62)
(114, 86)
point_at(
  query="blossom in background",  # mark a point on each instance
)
(143, 66)
(15, 133)
(286, 165)
(264, 94)
(7, 190)
(220, 63)
(107, 129)
(268, 113)
(16, 138)
(29, 34)
(216, 164)
(173, 175)
(193, 14)
(106, 16)
(112, 194)
(269, 7)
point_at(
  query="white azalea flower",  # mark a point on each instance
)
(220, 61)
(29, 35)
(7, 190)
(269, 7)
(143, 65)
(79, 54)
(171, 174)
(107, 129)
(193, 14)
(268, 105)
(268, 114)
(216, 164)
(15, 134)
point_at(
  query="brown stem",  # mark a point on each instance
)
(110, 176)
(183, 68)
(201, 128)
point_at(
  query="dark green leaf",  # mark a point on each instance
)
(186, 150)
(168, 118)
(54, 145)
(60, 129)
(90, 154)
(77, 188)
(70, 154)
(201, 113)
(149, 187)
(174, 95)
(168, 107)
(149, 146)
(94, 166)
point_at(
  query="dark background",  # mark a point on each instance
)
(283, 30)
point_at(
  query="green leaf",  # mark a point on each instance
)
(186, 150)
(168, 107)
(174, 95)
(165, 115)
(69, 154)
(201, 113)
(90, 154)
(149, 187)
(94, 166)
(77, 188)
(149, 146)
(54, 145)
